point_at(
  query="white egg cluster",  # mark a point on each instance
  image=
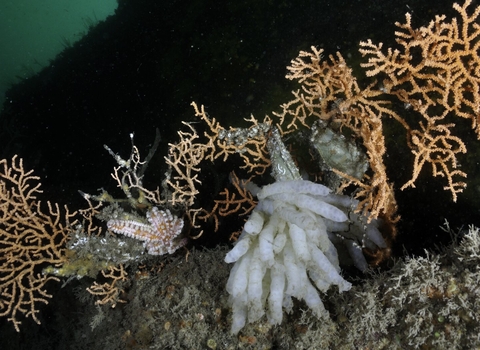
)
(285, 251)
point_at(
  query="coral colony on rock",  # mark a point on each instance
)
(315, 197)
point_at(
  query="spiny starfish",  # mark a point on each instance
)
(159, 235)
